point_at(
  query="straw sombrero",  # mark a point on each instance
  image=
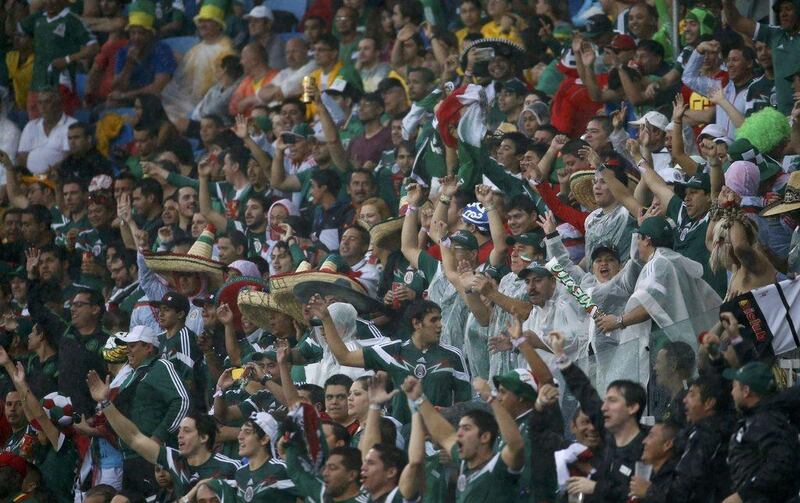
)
(386, 234)
(791, 198)
(256, 304)
(198, 259)
(580, 184)
(229, 294)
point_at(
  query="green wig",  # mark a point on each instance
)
(765, 129)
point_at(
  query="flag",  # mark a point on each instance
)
(303, 427)
(772, 313)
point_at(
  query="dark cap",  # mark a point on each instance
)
(526, 238)
(597, 25)
(756, 375)
(464, 239)
(205, 300)
(605, 248)
(389, 83)
(659, 230)
(176, 301)
(623, 42)
(700, 181)
(534, 268)
(515, 86)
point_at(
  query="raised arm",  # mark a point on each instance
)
(278, 178)
(691, 74)
(13, 192)
(261, 157)
(377, 398)
(331, 132)
(514, 449)
(654, 182)
(204, 197)
(223, 412)
(440, 430)
(346, 357)
(743, 25)
(409, 243)
(290, 395)
(541, 372)
(500, 251)
(30, 403)
(717, 97)
(685, 161)
(225, 316)
(124, 427)
(413, 477)
(547, 160)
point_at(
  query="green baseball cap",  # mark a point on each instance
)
(518, 381)
(464, 239)
(534, 268)
(302, 130)
(743, 150)
(756, 375)
(526, 238)
(659, 230)
(700, 181)
(515, 86)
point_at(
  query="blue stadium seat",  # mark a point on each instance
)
(180, 45)
(296, 7)
(80, 84)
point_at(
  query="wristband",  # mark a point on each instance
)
(265, 379)
(419, 400)
(411, 207)
(218, 392)
(375, 406)
(104, 403)
(446, 243)
(621, 321)
(519, 341)
(601, 167)
(412, 406)
(444, 200)
(66, 58)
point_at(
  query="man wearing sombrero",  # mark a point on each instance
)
(788, 208)
(192, 273)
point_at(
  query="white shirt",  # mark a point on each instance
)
(291, 81)
(9, 141)
(45, 150)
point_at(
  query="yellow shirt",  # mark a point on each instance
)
(21, 76)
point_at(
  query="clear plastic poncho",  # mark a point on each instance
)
(344, 319)
(505, 361)
(454, 309)
(615, 228)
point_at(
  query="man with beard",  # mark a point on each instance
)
(255, 221)
(125, 275)
(360, 187)
(147, 200)
(83, 161)
(16, 420)
(92, 242)
(340, 475)
(781, 39)
(35, 221)
(376, 138)
(49, 264)
(74, 211)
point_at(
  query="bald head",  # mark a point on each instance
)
(296, 53)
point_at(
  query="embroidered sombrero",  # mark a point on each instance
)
(502, 47)
(256, 305)
(386, 234)
(198, 259)
(228, 293)
(581, 185)
(791, 198)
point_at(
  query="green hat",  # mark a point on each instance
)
(518, 381)
(659, 230)
(303, 130)
(142, 13)
(464, 239)
(707, 21)
(264, 123)
(743, 150)
(756, 375)
(700, 181)
(534, 268)
(515, 86)
(526, 238)
(777, 5)
(213, 10)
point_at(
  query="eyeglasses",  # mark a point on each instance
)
(79, 303)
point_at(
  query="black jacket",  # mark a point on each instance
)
(701, 475)
(617, 462)
(660, 482)
(763, 456)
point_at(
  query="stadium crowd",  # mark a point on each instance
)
(400, 251)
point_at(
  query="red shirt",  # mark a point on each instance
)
(572, 107)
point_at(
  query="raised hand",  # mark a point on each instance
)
(716, 96)
(32, 256)
(483, 193)
(414, 194)
(18, 376)
(633, 149)
(317, 307)
(678, 108)
(558, 142)
(97, 387)
(377, 389)
(225, 380)
(204, 167)
(618, 117)
(412, 387)
(500, 343)
(449, 185)
(548, 396)
(547, 222)
(124, 207)
(591, 156)
(587, 54)
(482, 387)
(557, 343)
(240, 128)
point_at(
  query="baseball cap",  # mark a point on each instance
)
(464, 239)
(756, 375)
(534, 268)
(205, 300)
(17, 463)
(597, 25)
(777, 5)
(623, 42)
(176, 301)
(659, 230)
(260, 12)
(700, 181)
(302, 130)
(139, 333)
(655, 119)
(712, 130)
(518, 381)
(605, 248)
(515, 86)
(526, 238)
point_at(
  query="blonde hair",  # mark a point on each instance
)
(380, 205)
(722, 249)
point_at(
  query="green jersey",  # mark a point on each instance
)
(492, 482)
(261, 401)
(525, 493)
(58, 468)
(690, 241)
(441, 368)
(308, 484)
(182, 350)
(231, 198)
(786, 49)
(266, 484)
(185, 475)
(55, 38)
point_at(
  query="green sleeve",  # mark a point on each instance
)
(767, 34)
(173, 392)
(163, 457)
(297, 254)
(134, 167)
(674, 208)
(179, 181)
(469, 166)
(307, 484)
(428, 265)
(311, 351)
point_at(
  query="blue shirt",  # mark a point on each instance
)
(158, 60)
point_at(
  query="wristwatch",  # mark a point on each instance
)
(265, 379)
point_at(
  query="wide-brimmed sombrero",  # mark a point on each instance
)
(198, 259)
(228, 293)
(256, 305)
(502, 47)
(581, 186)
(791, 198)
(386, 234)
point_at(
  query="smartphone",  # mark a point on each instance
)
(288, 138)
(275, 232)
(484, 54)
(237, 373)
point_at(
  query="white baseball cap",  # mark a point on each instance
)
(139, 333)
(261, 12)
(655, 119)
